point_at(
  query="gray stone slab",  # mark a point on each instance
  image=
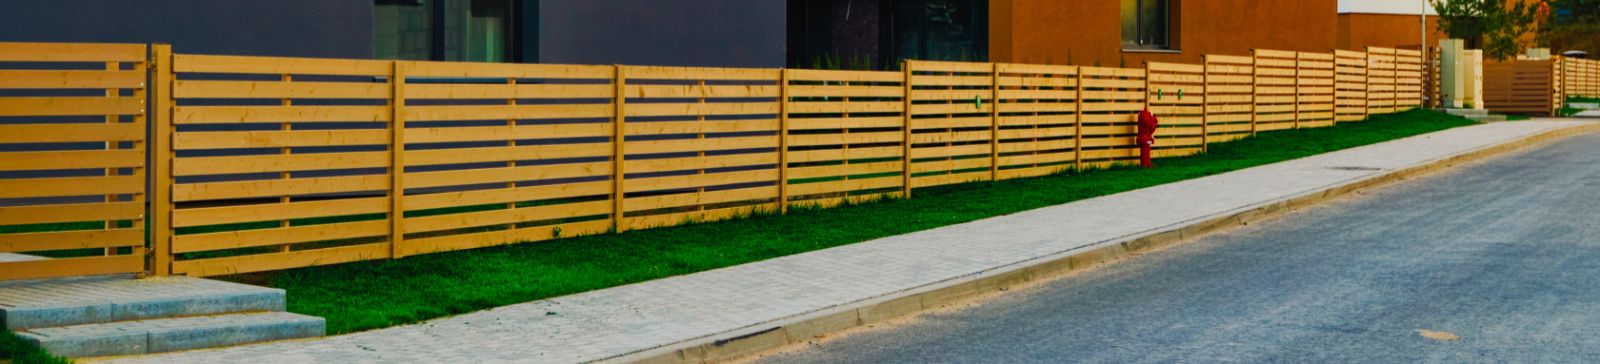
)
(14, 257)
(75, 301)
(171, 334)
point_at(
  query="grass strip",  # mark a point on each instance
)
(376, 294)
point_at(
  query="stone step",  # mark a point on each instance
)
(1466, 112)
(173, 334)
(89, 300)
(1487, 118)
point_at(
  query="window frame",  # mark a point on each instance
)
(1170, 46)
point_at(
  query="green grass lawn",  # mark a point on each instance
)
(16, 351)
(375, 294)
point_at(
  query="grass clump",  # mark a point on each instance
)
(16, 351)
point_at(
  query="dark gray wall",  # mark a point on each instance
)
(306, 28)
(721, 33)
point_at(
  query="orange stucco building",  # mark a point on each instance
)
(1361, 30)
(1091, 32)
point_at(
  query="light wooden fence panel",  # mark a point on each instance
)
(1591, 78)
(279, 163)
(1576, 75)
(1275, 90)
(1408, 79)
(845, 134)
(504, 153)
(1381, 87)
(1314, 96)
(700, 144)
(1230, 97)
(1521, 86)
(1432, 89)
(72, 158)
(1112, 99)
(1351, 86)
(951, 117)
(1581, 76)
(1038, 119)
(1177, 93)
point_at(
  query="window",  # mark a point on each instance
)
(857, 34)
(941, 30)
(1145, 24)
(446, 30)
(404, 30)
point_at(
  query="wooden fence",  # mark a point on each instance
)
(1581, 77)
(263, 163)
(1350, 86)
(72, 157)
(1523, 86)
(1230, 98)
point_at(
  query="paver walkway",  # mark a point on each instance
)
(614, 322)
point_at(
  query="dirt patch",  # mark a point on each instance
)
(1437, 335)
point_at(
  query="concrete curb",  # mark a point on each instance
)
(777, 334)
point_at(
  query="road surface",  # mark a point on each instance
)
(1496, 262)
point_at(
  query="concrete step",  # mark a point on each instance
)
(1487, 118)
(1466, 112)
(90, 300)
(173, 334)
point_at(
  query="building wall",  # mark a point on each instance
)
(1090, 32)
(719, 33)
(1361, 30)
(305, 28)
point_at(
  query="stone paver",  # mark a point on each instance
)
(614, 322)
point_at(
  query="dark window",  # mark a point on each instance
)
(860, 34)
(403, 30)
(1145, 24)
(942, 30)
(447, 30)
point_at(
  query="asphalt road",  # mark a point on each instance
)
(1502, 257)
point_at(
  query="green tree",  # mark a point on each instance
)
(1492, 25)
(1573, 25)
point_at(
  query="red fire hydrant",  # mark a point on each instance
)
(1147, 136)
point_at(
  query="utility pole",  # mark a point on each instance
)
(1424, 28)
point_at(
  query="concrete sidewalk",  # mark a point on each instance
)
(732, 311)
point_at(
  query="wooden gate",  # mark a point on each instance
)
(72, 156)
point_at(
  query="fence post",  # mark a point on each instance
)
(397, 165)
(1297, 60)
(160, 149)
(1255, 81)
(994, 122)
(1146, 92)
(783, 141)
(1205, 105)
(1077, 125)
(905, 158)
(618, 101)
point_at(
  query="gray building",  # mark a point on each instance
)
(723, 33)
